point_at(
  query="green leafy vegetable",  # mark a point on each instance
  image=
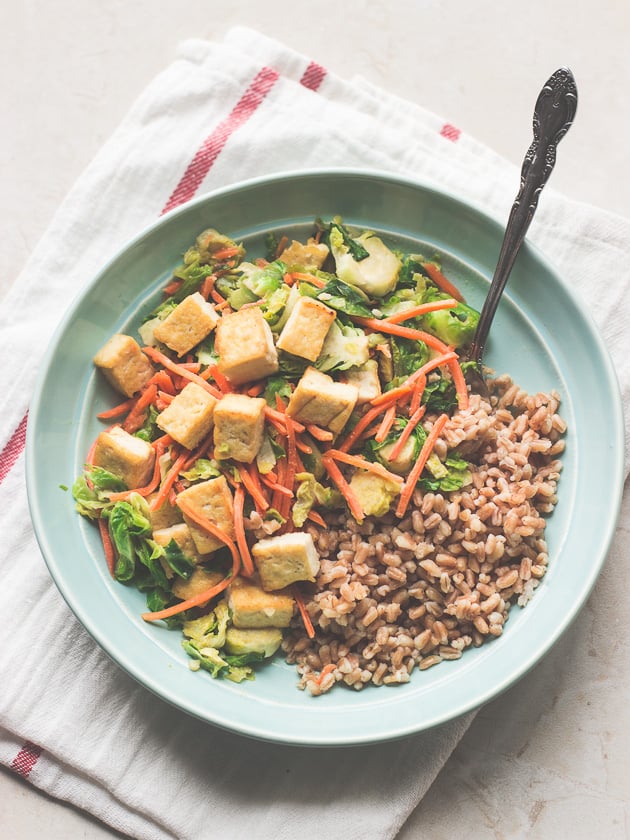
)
(345, 346)
(91, 488)
(345, 298)
(202, 470)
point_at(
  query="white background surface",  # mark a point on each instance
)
(549, 758)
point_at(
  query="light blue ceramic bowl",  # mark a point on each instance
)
(541, 336)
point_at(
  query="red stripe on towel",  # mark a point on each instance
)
(214, 143)
(450, 132)
(26, 759)
(13, 449)
(313, 76)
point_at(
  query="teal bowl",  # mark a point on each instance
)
(541, 336)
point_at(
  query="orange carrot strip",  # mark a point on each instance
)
(327, 669)
(197, 601)
(299, 600)
(309, 278)
(180, 370)
(392, 396)
(364, 464)
(288, 278)
(416, 470)
(217, 298)
(108, 546)
(172, 287)
(460, 384)
(282, 244)
(403, 332)
(221, 381)
(239, 530)
(386, 425)
(418, 390)
(421, 309)
(292, 468)
(318, 433)
(316, 518)
(256, 390)
(226, 253)
(136, 416)
(273, 485)
(207, 286)
(285, 419)
(363, 423)
(249, 477)
(169, 480)
(164, 398)
(432, 364)
(117, 410)
(415, 418)
(441, 281)
(344, 488)
(303, 447)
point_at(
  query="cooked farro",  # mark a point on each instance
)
(393, 595)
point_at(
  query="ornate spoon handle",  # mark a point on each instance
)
(553, 116)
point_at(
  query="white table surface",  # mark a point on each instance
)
(550, 758)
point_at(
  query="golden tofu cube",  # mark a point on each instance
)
(213, 500)
(189, 323)
(179, 532)
(306, 329)
(200, 580)
(124, 365)
(245, 346)
(285, 559)
(310, 256)
(366, 380)
(319, 399)
(239, 423)
(251, 606)
(126, 456)
(189, 417)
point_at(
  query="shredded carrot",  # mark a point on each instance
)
(303, 447)
(319, 433)
(392, 396)
(181, 370)
(416, 470)
(363, 423)
(418, 390)
(288, 278)
(421, 309)
(164, 399)
(205, 290)
(415, 418)
(239, 530)
(197, 601)
(432, 364)
(168, 481)
(108, 546)
(163, 381)
(117, 410)
(256, 390)
(460, 384)
(327, 669)
(344, 488)
(136, 416)
(362, 463)
(403, 332)
(441, 281)
(250, 478)
(220, 379)
(308, 278)
(285, 419)
(316, 518)
(222, 305)
(292, 468)
(308, 624)
(218, 298)
(276, 487)
(172, 287)
(282, 244)
(226, 253)
(386, 425)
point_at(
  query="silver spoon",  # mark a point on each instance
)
(553, 116)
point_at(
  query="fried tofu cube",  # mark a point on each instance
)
(165, 516)
(366, 380)
(189, 417)
(310, 256)
(239, 423)
(286, 559)
(200, 580)
(189, 323)
(123, 364)
(245, 346)
(179, 532)
(252, 607)
(126, 456)
(306, 329)
(319, 399)
(213, 500)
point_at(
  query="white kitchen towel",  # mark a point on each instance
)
(70, 720)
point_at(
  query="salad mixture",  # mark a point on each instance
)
(297, 463)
